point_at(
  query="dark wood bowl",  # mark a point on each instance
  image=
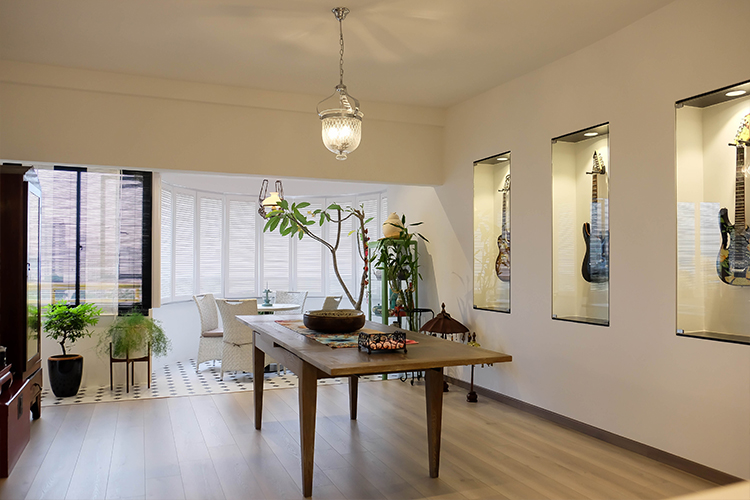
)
(334, 321)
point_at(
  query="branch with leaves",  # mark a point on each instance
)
(290, 221)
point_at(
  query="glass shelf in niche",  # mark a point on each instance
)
(492, 233)
(713, 241)
(580, 226)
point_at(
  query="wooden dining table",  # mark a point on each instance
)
(311, 360)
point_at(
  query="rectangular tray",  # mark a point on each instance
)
(394, 341)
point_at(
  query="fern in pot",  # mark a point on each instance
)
(131, 335)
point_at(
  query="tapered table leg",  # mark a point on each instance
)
(259, 362)
(308, 394)
(353, 391)
(434, 397)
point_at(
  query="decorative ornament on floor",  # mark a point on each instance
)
(66, 324)
(471, 397)
(444, 325)
(341, 118)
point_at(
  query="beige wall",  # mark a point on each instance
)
(65, 115)
(635, 378)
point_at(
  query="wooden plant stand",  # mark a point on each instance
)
(129, 367)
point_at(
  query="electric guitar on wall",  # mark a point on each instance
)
(733, 263)
(595, 268)
(502, 264)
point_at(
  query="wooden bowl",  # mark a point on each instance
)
(334, 321)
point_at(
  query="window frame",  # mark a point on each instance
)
(326, 276)
(146, 301)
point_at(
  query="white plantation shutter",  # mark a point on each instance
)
(276, 260)
(383, 214)
(211, 221)
(184, 244)
(310, 254)
(167, 224)
(214, 242)
(241, 252)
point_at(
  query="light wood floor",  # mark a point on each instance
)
(205, 447)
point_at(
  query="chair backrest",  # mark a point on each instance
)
(332, 302)
(292, 298)
(234, 330)
(207, 311)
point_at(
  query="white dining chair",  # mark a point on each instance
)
(237, 343)
(292, 298)
(210, 344)
(332, 302)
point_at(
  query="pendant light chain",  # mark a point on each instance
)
(341, 52)
(340, 116)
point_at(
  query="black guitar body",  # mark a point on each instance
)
(598, 270)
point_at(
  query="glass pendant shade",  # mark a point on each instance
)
(272, 200)
(342, 126)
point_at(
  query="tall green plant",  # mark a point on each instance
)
(65, 323)
(393, 256)
(132, 333)
(290, 221)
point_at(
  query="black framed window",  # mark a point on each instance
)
(96, 237)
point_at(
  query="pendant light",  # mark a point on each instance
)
(269, 201)
(341, 118)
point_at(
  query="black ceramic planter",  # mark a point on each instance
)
(65, 373)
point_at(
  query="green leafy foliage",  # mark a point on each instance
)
(394, 257)
(132, 334)
(293, 221)
(65, 323)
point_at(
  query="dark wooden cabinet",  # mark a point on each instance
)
(20, 308)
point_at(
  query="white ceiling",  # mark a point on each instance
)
(426, 52)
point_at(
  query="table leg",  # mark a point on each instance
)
(259, 362)
(434, 396)
(308, 393)
(353, 391)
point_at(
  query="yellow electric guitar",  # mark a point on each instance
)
(733, 263)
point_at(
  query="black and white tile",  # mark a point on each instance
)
(180, 379)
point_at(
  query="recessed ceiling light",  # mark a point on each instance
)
(502, 159)
(735, 93)
(591, 134)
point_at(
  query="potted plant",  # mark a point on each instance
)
(67, 324)
(132, 335)
(131, 338)
(394, 257)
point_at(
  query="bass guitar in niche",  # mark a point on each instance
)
(733, 263)
(502, 264)
(595, 268)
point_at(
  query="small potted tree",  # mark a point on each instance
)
(133, 337)
(66, 324)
